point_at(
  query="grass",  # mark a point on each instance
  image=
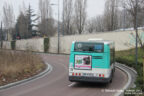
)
(128, 57)
(16, 66)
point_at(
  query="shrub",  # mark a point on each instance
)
(46, 44)
(13, 44)
(128, 57)
(1, 44)
(15, 65)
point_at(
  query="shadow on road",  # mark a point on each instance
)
(90, 85)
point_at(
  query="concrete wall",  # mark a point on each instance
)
(6, 45)
(123, 41)
(53, 45)
(30, 45)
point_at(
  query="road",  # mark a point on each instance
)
(56, 82)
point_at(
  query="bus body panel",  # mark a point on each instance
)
(101, 68)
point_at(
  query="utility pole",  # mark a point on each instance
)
(63, 17)
(136, 51)
(124, 17)
(1, 32)
(58, 29)
(1, 35)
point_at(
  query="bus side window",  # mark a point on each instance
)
(112, 55)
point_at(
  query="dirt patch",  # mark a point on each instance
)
(16, 66)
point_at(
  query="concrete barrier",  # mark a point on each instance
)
(124, 40)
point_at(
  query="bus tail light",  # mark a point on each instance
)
(76, 74)
(99, 75)
(79, 74)
(72, 74)
(103, 75)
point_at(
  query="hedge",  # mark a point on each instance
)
(128, 57)
(13, 44)
(1, 44)
(46, 44)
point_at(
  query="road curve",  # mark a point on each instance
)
(56, 83)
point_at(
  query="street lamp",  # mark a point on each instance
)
(63, 17)
(58, 28)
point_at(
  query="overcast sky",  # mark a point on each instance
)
(94, 7)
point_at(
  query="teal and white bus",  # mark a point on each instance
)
(92, 61)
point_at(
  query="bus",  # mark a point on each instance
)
(92, 61)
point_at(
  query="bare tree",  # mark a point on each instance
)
(8, 19)
(99, 24)
(23, 8)
(45, 9)
(68, 10)
(46, 25)
(111, 17)
(90, 26)
(136, 9)
(80, 14)
(124, 19)
(95, 24)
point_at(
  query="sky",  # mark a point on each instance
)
(94, 7)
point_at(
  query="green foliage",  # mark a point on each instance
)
(25, 23)
(132, 92)
(128, 57)
(13, 44)
(1, 44)
(46, 44)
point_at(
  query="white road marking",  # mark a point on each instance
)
(128, 83)
(71, 84)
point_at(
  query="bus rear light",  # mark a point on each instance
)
(103, 75)
(72, 74)
(76, 74)
(79, 74)
(71, 69)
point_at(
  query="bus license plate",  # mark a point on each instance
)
(88, 74)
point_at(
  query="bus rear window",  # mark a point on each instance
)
(89, 47)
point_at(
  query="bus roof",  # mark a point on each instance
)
(97, 41)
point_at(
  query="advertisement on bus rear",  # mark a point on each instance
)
(83, 62)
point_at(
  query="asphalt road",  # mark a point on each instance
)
(56, 82)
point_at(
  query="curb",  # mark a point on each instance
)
(129, 78)
(128, 68)
(38, 76)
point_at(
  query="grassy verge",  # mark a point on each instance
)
(15, 66)
(128, 57)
